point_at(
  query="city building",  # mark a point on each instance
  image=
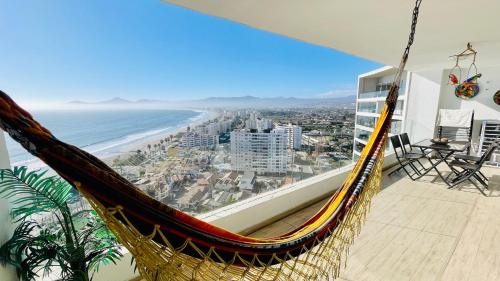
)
(247, 181)
(372, 91)
(264, 124)
(194, 139)
(256, 123)
(213, 129)
(228, 182)
(294, 133)
(219, 127)
(259, 152)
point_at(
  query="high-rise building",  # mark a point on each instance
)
(259, 124)
(213, 129)
(373, 88)
(194, 139)
(251, 124)
(294, 133)
(259, 152)
(264, 124)
(217, 128)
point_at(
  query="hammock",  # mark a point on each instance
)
(168, 244)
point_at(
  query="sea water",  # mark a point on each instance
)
(105, 133)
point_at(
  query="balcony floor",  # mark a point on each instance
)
(420, 230)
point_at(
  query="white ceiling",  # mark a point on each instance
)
(373, 29)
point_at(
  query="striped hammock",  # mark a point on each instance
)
(168, 244)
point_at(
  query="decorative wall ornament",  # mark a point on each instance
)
(469, 88)
(496, 97)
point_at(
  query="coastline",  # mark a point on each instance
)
(205, 115)
(151, 138)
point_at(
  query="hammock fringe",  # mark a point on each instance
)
(163, 262)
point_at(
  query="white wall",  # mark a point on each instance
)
(482, 104)
(422, 106)
(6, 274)
(368, 85)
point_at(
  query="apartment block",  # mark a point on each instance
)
(373, 88)
(294, 134)
(194, 139)
(259, 152)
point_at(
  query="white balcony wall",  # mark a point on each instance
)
(422, 106)
(6, 273)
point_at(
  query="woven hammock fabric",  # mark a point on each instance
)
(171, 245)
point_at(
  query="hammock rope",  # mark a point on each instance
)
(170, 245)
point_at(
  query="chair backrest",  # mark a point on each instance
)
(396, 143)
(457, 118)
(455, 125)
(405, 141)
(487, 154)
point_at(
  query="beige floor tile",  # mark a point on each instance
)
(421, 230)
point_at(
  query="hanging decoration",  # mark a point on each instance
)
(469, 88)
(496, 97)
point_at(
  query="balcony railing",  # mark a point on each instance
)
(379, 94)
(370, 107)
(362, 134)
(366, 121)
(375, 94)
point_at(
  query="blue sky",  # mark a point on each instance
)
(57, 51)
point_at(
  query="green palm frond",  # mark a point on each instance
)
(30, 250)
(32, 192)
(75, 243)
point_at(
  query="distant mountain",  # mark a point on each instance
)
(233, 102)
(277, 102)
(243, 98)
(116, 100)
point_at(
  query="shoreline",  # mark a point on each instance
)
(143, 145)
(127, 148)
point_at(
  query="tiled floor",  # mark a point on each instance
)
(420, 230)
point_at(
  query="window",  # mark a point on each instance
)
(370, 107)
(366, 121)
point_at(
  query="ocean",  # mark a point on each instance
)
(106, 133)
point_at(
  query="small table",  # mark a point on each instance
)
(443, 151)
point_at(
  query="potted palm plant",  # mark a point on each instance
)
(50, 235)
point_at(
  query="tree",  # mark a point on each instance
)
(76, 243)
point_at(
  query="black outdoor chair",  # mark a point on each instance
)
(409, 149)
(405, 140)
(466, 167)
(406, 160)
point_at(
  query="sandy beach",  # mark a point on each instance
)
(143, 146)
(204, 116)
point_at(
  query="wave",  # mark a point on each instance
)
(127, 143)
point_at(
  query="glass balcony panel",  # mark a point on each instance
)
(366, 121)
(369, 107)
(362, 134)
